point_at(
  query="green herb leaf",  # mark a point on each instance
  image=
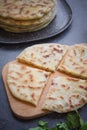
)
(73, 120)
(43, 124)
(62, 126)
(54, 128)
(84, 126)
(36, 128)
(80, 119)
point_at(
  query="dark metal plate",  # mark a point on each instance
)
(58, 25)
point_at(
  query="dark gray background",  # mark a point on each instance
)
(76, 33)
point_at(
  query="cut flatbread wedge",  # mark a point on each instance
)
(44, 56)
(75, 62)
(26, 83)
(66, 94)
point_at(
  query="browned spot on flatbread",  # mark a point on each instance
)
(61, 97)
(52, 98)
(74, 52)
(65, 86)
(83, 87)
(18, 90)
(21, 9)
(82, 51)
(81, 60)
(28, 72)
(15, 78)
(74, 63)
(53, 83)
(46, 75)
(60, 106)
(32, 54)
(58, 50)
(42, 82)
(33, 14)
(33, 96)
(13, 83)
(71, 99)
(54, 107)
(46, 56)
(31, 87)
(31, 77)
(23, 67)
(25, 81)
(72, 79)
(11, 72)
(69, 56)
(19, 74)
(85, 62)
(82, 72)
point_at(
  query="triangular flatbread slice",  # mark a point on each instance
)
(75, 62)
(44, 56)
(66, 94)
(26, 83)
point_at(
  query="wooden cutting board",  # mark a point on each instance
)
(23, 109)
(26, 110)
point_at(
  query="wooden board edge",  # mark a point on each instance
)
(17, 113)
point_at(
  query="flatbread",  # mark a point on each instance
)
(26, 15)
(26, 23)
(29, 26)
(75, 62)
(66, 94)
(25, 9)
(44, 56)
(26, 83)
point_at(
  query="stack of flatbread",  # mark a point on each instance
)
(60, 68)
(26, 15)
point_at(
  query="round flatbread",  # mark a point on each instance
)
(13, 22)
(26, 15)
(28, 26)
(25, 9)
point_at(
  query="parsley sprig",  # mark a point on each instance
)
(73, 122)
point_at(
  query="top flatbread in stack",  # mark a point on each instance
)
(26, 15)
(44, 56)
(75, 62)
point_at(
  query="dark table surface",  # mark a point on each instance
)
(76, 33)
